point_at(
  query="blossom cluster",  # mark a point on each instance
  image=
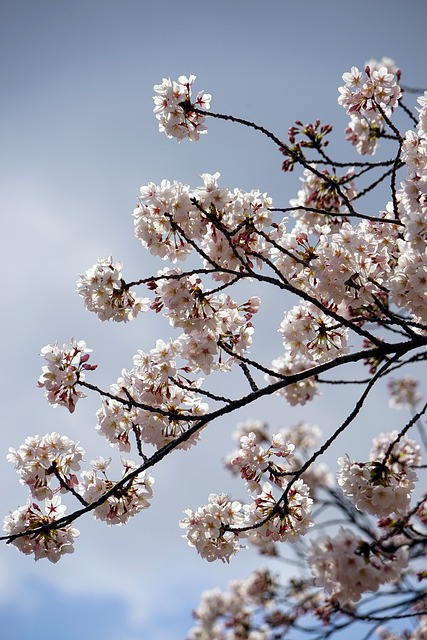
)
(105, 293)
(403, 392)
(285, 454)
(153, 400)
(221, 613)
(217, 529)
(215, 325)
(369, 99)
(382, 486)
(126, 499)
(310, 332)
(323, 191)
(408, 281)
(44, 461)
(175, 108)
(297, 393)
(253, 460)
(65, 369)
(171, 217)
(345, 267)
(346, 566)
(40, 458)
(209, 527)
(50, 543)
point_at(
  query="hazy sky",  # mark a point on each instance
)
(78, 139)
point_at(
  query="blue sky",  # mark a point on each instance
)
(78, 139)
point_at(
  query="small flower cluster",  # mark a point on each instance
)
(306, 438)
(40, 457)
(50, 543)
(105, 293)
(351, 265)
(214, 324)
(65, 369)
(175, 108)
(326, 192)
(374, 489)
(233, 611)
(156, 382)
(383, 485)
(293, 444)
(346, 566)
(368, 101)
(127, 499)
(216, 532)
(401, 453)
(403, 392)
(170, 217)
(253, 460)
(299, 392)
(115, 421)
(208, 528)
(285, 520)
(408, 281)
(39, 461)
(216, 529)
(310, 332)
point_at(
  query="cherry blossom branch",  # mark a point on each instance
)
(282, 146)
(338, 214)
(397, 350)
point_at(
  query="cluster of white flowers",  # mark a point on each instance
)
(382, 486)
(348, 268)
(351, 265)
(293, 444)
(409, 278)
(346, 566)
(65, 369)
(283, 521)
(228, 614)
(43, 460)
(214, 324)
(49, 543)
(216, 533)
(125, 501)
(156, 381)
(403, 392)
(216, 529)
(402, 453)
(208, 527)
(367, 98)
(299, 392)
(321, 193)
(115, 422)
(374, 489)
(105, 293)
(310, 332)
(253, 460)
(170, 217)
(175, 109)
(39, 456)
